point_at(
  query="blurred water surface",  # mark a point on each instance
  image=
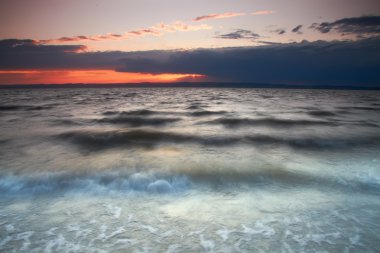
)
(189, 170)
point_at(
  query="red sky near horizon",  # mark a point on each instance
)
(95, 76)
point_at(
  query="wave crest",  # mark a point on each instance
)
(175, 182)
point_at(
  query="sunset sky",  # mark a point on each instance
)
(115, 41)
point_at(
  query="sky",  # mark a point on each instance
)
(307, 42)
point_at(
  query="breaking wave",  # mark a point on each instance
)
(170, 183)
(92, 183)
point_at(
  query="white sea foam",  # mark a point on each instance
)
(259, 228)
(115, 211)
(118, 231)
(173, 248)
(149, 228)
(126, 242)
(51, 231)
(223, 233)
(207, 245)
(355, 239)
(10, 228)
(25, 237)
(60, 244)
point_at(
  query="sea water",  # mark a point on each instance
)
(189, 170)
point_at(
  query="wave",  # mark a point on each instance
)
(202, 113)
(68, 122)
(4, 141)
(25, 107)
(143, 112)
(196, 106)
(172, 182)
(137, 121)
(92, 183)
(271, 122)
(102, 140)
(131, 94)
(321, 113)
(359, 108)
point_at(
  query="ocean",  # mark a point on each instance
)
(189, 170)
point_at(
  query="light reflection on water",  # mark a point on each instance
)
(189, 170)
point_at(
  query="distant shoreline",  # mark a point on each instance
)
(189, 85)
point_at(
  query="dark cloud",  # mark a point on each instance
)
(32, 46)
(297, 29)
(279, 31)
(263, 42)
(239, 34)
(30, 54)
(316, 63)
(365, 25)
(320, 62)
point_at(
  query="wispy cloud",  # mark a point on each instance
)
(219, 16)
(239, 34)
(264, 12)
(180, 26)
(141, 32)
(360, 26)
(279, 31)
(297, 29)
(84, 38)
(156, 30)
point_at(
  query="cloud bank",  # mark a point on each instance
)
(320, 62)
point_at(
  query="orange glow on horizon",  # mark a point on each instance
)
(89, 76)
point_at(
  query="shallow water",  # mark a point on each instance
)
(189, 170)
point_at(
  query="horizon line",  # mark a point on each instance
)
(194, 85)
